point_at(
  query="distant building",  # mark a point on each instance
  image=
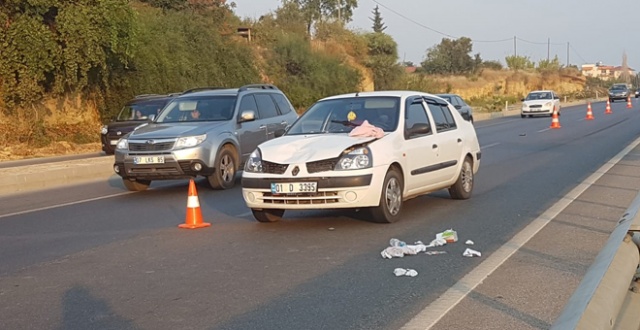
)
(605, 72)
(410, 69)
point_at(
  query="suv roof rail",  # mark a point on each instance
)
(145, 95)
(198, 89)
(260, 86)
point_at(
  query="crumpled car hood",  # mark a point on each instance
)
(290, 149)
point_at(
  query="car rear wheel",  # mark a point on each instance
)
(267, 215)
(390, 199)
(224, 176)
(464, 185)
(136, 185)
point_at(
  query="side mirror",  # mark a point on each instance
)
(247, 115)
(521, 100)
(279, 132)
(419, 129)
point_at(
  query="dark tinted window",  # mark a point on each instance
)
(266, 107)
(442, 117)
(284, 105)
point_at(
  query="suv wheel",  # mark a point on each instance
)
(224, 175)
(136, 185)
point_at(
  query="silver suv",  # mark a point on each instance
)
(206, 132)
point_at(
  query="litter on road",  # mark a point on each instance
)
(471, 253)
(405, 272)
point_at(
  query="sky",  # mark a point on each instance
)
(576, 31)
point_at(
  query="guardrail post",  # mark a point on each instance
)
(506, 108)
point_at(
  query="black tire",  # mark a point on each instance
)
(522, 116)
(136, 185)
(390, 199)
(464, 184)
(267, 215)
(224, 175)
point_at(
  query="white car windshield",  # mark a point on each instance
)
(202, 108)
(538, 96)
(342, 115)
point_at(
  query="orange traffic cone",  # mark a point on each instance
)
(555, 123)
(629, 106)
(608, 109)
(589, 112)
(194, 216)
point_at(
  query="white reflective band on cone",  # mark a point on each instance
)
(192, 201)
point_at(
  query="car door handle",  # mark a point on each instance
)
(435, 146)
(284, 122)
(263, 127)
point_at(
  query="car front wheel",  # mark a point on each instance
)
(136, 185)
(224, 176)
(390, 199)
(464, 185)
(267, 215)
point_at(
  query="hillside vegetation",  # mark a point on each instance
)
(68, 67)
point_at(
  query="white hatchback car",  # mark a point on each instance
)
(369, 150)
(542, 102)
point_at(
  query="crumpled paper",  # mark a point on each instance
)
(401, 251)
(471, 253)
(367, 130)
(469, 242)
(405, 272)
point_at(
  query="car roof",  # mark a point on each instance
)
(399, 93)
(446, 94)
(211, 91)
(542, 91)
(152, 98)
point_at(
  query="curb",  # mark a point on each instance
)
(50, 175)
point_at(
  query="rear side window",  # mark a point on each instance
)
(283, 104)
(442, 117)
(266, 107)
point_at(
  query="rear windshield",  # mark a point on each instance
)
(140, 111)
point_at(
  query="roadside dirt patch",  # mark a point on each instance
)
(15, 152)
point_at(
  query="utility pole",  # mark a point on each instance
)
(548, 48)
(567, 54)
(515, 47)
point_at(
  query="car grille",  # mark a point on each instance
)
(322, 197)
(536, 106)
(322, 165)
(151, 147)
(273, 168)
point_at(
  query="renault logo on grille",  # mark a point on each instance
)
(151, 142)
(295, 171)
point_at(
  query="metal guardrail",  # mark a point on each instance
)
(608, 297)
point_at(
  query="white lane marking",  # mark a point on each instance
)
(65, 204)
(544, 130)
(432, 314)
(489, 145)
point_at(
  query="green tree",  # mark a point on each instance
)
(515, 62)
(382, 60)
(315, 10)
(378, 25)
(451, 57)
(62, 46)
(493, 65)
(549, 65)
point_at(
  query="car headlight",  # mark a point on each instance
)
(525, 106)
(190, 141)
(104, 129)
(355, 159)
(254, 163)
(548, 104)
(123, 144)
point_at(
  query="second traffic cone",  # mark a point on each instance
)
(194, 215)
(629, 106)
(589, 112)
(555, 123)
(608, 109)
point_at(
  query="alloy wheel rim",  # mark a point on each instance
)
(226, 167)
(393, 194)
(467, 177)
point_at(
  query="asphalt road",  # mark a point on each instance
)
(93, 256)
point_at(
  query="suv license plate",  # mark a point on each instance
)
(148, 160)
(294, 187)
